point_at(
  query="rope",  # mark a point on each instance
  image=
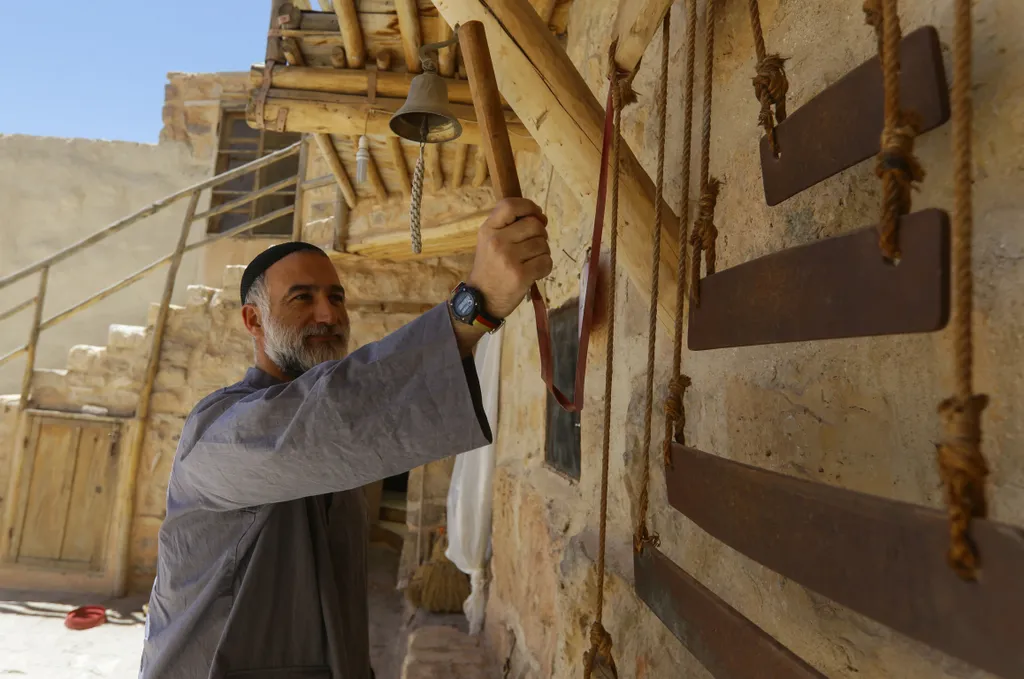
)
(600, 652)
(704, 231)
(897, 166)
(770, 83)
(961, 463)
(642, 536)
(414, 206)
(674, 412)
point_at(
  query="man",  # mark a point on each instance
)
(262, 571)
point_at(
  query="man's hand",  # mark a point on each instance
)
(512, 253)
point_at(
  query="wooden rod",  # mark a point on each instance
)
(33, 338)
(244, 200)
(11, 355)
(319, 182)
(432, 153)
(446, 55)
(153, 208)
(352, 81)
(487, 101)
(398, 160)
(459, 172)
(126, 490)
(330, 154)
(351, 32)
(298, 215)
(409, 25)
(479, 167)
(13, 310)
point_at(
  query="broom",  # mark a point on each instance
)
(438, 585)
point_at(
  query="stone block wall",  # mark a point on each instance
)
(858, 414)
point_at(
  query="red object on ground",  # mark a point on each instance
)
(85, 617)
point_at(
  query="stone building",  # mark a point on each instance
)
(850, 413)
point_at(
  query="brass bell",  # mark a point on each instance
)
(424, 117)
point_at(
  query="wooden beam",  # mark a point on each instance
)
(459, 171)
(479, 167)
(638, 21)
(432, 157)
(556, 105)
(330, 154)
(372, 173)
(346, 115)
(409, 25)
(398, 159)
(445, 239)
(383, 61)
(544, 8)
(446, 55)
(302, 4)
(351, 81)
(878, 557)
(351, 33)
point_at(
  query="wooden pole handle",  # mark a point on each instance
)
(501, 163)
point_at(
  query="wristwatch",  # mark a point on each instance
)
(467, 305)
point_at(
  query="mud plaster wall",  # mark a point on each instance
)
(858, 414)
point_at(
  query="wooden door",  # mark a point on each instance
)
(67, 485)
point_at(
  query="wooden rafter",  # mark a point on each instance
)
(433, 166)
(409, 25)
(479, 167)
(459, 171)
(398, 160)
(446, 239)
(446, 55)
(638, 21)
(545, 9)
(330, 154)
(351, 32)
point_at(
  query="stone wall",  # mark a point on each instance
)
(55, 192)
(192, 105)
(857, 414)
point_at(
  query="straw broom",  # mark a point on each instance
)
(438, 585)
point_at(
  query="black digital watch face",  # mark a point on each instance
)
(464, 305)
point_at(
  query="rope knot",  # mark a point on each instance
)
(899, 170)
(963, 471)
(621, 78)
(704, 234)
(873, 14)
(770, 88)
(675, 414)
(600, 654)
(645, 537)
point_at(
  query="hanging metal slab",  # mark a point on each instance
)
(842, 125)
(832, 288)
(727, 644)
(879, 557)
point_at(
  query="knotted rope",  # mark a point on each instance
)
(414, 204)
(675, 415)
(961, 463)
(599, 657)
(641, 535)
(897, 166)
(704, 232)
(770, 83)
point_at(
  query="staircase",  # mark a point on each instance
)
(390, 527)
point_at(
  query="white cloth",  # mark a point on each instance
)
(469, 496)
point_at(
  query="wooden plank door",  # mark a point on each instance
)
(68, 486)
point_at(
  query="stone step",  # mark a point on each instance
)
(392, 507)
(389, 533)
(441, 652)
(128, 339)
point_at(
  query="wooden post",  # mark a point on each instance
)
(299, 192)
(351, 32)
(330, 154)
(398, 160)
(409, 25)
(33, 339)
(487, 101)
(124, 508)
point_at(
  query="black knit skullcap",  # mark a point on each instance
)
(268, 258)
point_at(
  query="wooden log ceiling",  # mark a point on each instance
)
(342, 71)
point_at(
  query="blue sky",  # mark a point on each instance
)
(97, 68)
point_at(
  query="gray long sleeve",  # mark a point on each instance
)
(389, 407)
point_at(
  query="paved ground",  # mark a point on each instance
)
(34, 644)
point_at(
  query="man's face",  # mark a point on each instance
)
(307, 322)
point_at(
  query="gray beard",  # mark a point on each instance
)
(287, 346)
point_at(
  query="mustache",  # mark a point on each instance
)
(322, 330)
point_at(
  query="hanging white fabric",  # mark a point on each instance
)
(469, 496)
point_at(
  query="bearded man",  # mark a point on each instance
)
(261, 571)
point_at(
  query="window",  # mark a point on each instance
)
(240, 144)
(562, 451)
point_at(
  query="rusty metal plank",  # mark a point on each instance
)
(728, 645)
(842, 125)
(836, 287)
(881, 558)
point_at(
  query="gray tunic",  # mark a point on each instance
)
(262, 569)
